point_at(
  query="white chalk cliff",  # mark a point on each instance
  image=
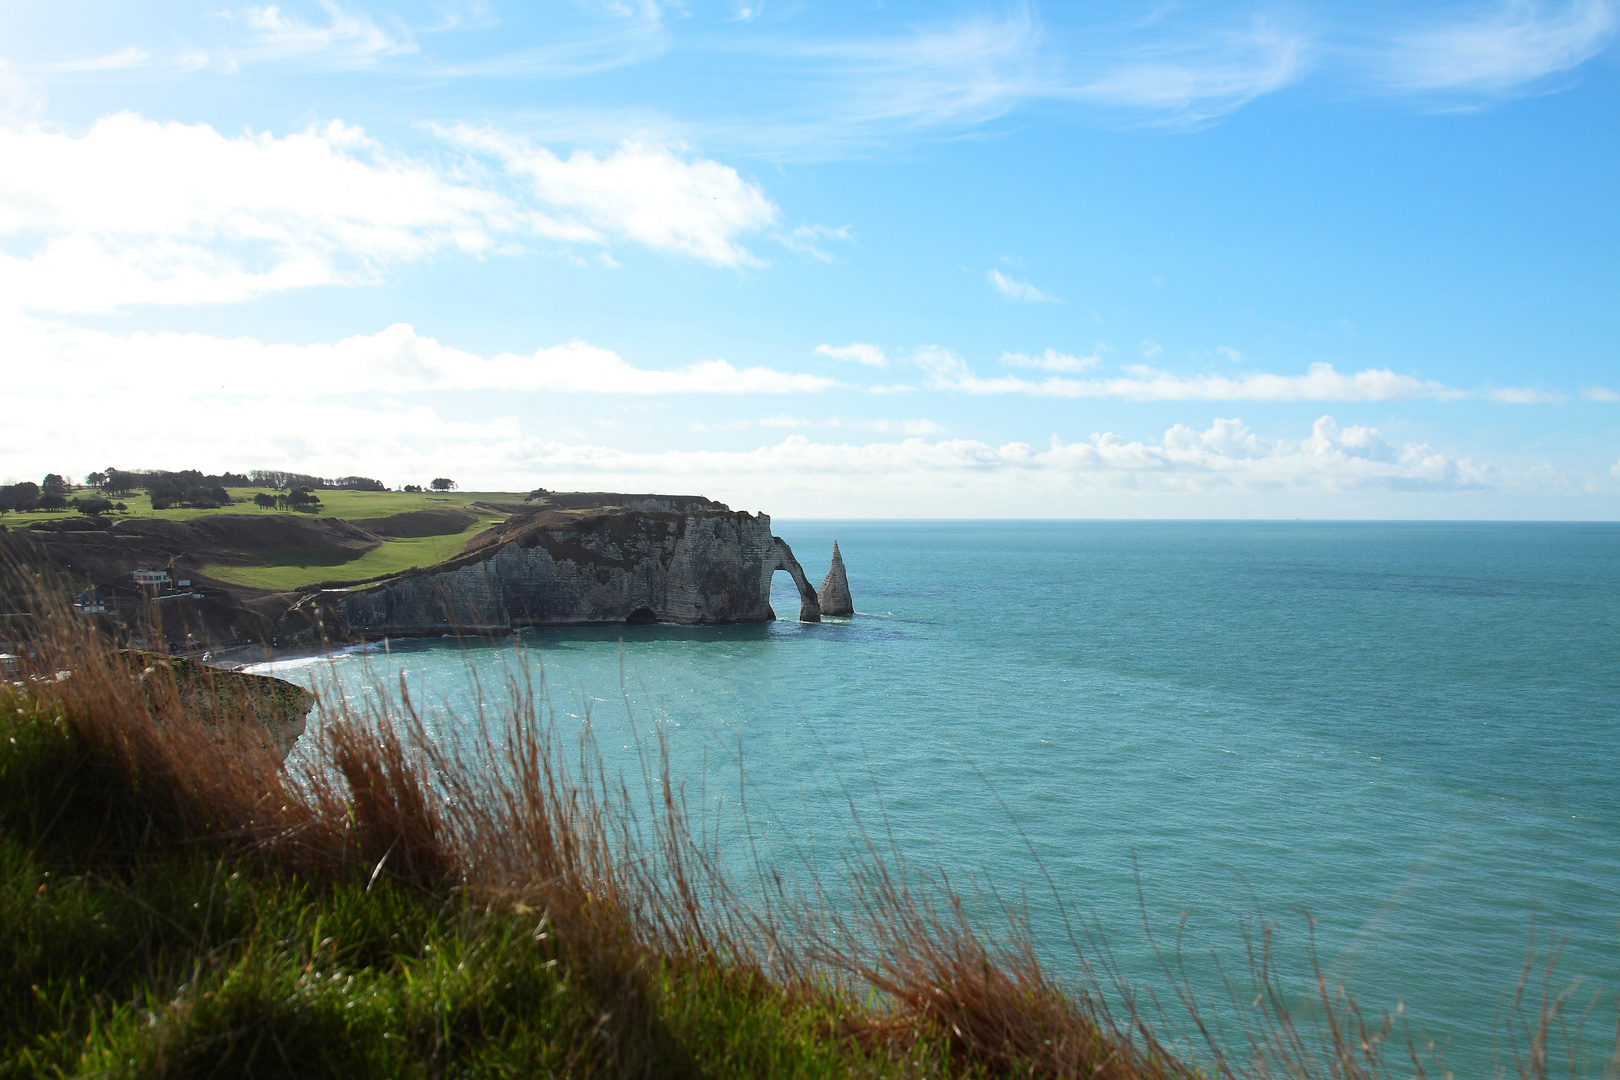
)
(834, 593)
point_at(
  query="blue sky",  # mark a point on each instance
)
(858, 260)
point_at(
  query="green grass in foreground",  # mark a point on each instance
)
(391, 557)
(190, 962)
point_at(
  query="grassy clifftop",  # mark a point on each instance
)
(261, 559)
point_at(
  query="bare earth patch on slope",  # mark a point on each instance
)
(415, 523)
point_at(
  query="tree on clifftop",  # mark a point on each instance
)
(92, 507)
(442, 484)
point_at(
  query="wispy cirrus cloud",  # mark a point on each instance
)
(945, 370)
(279, 34)
(842, 95)
(1052, 360)
(1524, 395)
(394, 360)
(1518, 43)
(860, 352)
(815, 239)
(1191, 77)
(1019, 292)
(127, 57)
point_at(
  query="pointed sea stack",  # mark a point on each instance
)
(834, 594)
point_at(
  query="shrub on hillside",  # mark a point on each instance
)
(93, 507)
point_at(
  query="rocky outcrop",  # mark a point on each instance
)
(834, 593)
(269, 711)
(700, 564)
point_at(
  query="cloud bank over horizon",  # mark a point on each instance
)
(328, 420)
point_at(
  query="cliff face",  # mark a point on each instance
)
(696, 563)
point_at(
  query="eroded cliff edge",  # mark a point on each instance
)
(646, 559)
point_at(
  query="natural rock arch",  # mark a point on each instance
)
(782, 559)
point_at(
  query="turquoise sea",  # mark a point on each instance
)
(1409, 731)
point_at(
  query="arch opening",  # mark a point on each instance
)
(809, 605)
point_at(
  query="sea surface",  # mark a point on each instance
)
(1406, 736)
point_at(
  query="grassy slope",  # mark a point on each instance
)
(288, 572)
(134, 944)
(391, 557)
(220, 966)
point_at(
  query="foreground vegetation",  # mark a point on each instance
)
(174, 901)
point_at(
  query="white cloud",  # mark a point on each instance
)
(1018, 291)
(395, 360)
(1512, 46)
(1526, 396)
(861, 353)
(1150, 348)
(1230, 353)
(136, 211)
(1051, 360)
(1599, 393)
(947, 371)
(644, 193)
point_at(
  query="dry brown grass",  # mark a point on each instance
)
(523, 818)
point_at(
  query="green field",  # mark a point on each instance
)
(282, 571)
(392, 557)
(344, 505)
